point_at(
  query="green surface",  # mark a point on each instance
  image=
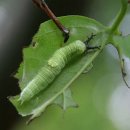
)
(44, 44)
(47, 41)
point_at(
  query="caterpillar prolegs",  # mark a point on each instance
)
(53, 67)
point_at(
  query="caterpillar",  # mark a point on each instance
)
(53, 67)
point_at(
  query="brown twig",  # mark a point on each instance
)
(128, 1)
(43, 6)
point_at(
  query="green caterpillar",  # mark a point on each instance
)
(53, 67)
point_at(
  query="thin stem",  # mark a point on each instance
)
(122, 65)
(119, 17)
(43, 6)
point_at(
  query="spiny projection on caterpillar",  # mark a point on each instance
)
(54, 66)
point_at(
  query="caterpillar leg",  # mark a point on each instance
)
(93, 48)
(122, 65)
(89, 39)
(88, 47)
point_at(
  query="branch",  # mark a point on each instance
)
(43, 6)
(120, 16)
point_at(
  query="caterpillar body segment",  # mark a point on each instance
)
(62, 56)
(53, 67)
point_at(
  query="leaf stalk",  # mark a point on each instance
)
(120, 16)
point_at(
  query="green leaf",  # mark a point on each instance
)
(65, 100)
(123, 44)
(47, 40)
